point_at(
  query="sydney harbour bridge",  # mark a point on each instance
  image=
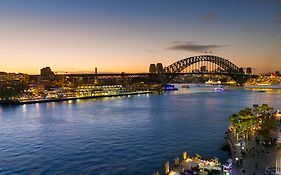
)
(196, 65)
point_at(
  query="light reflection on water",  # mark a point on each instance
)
(122, 135)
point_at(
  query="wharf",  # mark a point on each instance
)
(31, 101)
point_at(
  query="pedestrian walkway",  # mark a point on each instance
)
(255, 159)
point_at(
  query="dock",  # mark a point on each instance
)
(31, 101)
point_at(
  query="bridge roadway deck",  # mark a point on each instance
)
(149, 74)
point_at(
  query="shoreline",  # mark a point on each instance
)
(33, 101)
(263, 86)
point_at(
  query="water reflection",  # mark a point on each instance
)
(24, 106)
(37, 107)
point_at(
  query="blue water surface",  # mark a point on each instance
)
(121, 135)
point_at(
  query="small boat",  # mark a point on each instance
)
(185, 86)
(261, 91)
(219, 89)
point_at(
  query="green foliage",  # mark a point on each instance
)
(267, 126)
(248, 120)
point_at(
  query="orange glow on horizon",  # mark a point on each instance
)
(133, 66)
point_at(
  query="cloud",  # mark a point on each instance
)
(209, 16)
(193, 47)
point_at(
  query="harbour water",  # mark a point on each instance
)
(120, 135)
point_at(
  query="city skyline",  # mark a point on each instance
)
(128, 36)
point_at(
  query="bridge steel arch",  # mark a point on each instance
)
(180, 65)
(231, 69)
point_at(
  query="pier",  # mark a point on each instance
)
(31, 101)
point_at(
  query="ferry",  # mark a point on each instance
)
(170, 87)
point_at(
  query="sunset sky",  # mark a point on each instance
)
(128, 35)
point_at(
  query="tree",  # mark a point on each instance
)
(266, 127)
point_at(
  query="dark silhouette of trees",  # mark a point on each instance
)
(10, 91)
